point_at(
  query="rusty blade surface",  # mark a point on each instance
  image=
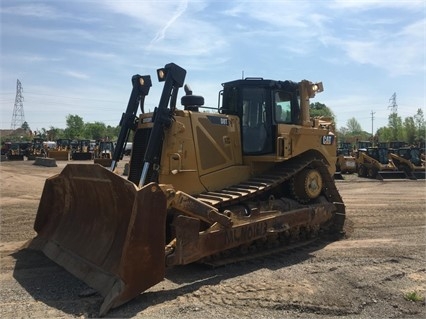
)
(104, 230)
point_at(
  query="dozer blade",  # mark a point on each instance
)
(391, 175)
(104, 230)
(105, 162)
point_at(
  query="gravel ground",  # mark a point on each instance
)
(366, 275)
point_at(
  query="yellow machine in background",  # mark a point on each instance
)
(36, 149)
(103, 153)
(409, 160)
(376, 162)
(83, 151)
(346, 161)
(62, 152)
(203, 183)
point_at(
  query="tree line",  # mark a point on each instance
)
(76, 129)
(411, 129)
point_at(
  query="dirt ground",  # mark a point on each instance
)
(369, 274)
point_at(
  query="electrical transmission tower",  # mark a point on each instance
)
(393, 106)
(18, 117)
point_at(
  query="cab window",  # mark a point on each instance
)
(282, 107)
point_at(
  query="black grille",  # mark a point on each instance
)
(140, 143)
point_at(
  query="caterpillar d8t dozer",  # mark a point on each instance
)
(203, 183)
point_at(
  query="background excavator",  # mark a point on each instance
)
(254, 173)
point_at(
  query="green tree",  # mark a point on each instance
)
(114, 131)
(75, 127)
(42, 133)
(25, 126)
(55, 133)
(384, 134)
(95, 130)
(395, 125)
(354, 128)
(318, 109)
(409, 130)
(419, 122)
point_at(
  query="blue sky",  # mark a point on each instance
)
(77, 57)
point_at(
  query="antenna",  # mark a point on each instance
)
(18, 117)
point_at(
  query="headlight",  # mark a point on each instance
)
(317, 87)
(161, 73)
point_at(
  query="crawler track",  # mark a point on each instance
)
(282, 172)
(255, 188)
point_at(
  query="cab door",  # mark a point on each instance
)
(256, 121)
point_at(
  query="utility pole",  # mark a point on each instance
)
(18, 117)
(372, 120)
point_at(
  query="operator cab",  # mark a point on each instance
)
(380, 154)
(261, 105)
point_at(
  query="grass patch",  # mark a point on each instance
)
(413, 296)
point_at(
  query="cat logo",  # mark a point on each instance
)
(327, 140)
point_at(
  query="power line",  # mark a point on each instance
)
(18, 117)
(393, 106)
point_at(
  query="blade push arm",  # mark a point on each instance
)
(141, 86)
(173, 77)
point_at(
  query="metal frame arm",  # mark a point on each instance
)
(141, 86)
(173, 77)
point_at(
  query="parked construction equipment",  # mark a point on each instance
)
(62, 152)
(15, 152)
(375, 162)
(83, 151)
(254, 173)
(346, 161)
(409, 160)
(103, 153)
(36, 149)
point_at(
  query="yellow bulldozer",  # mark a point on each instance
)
(204, 184)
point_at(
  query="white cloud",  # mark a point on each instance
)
(180, 10)
(75, 74)
(41, 11)
(400, 53)
(171, 28)
(94, 54)
(30, 58)
(364, 5)
(50, 34)
(38, 10)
